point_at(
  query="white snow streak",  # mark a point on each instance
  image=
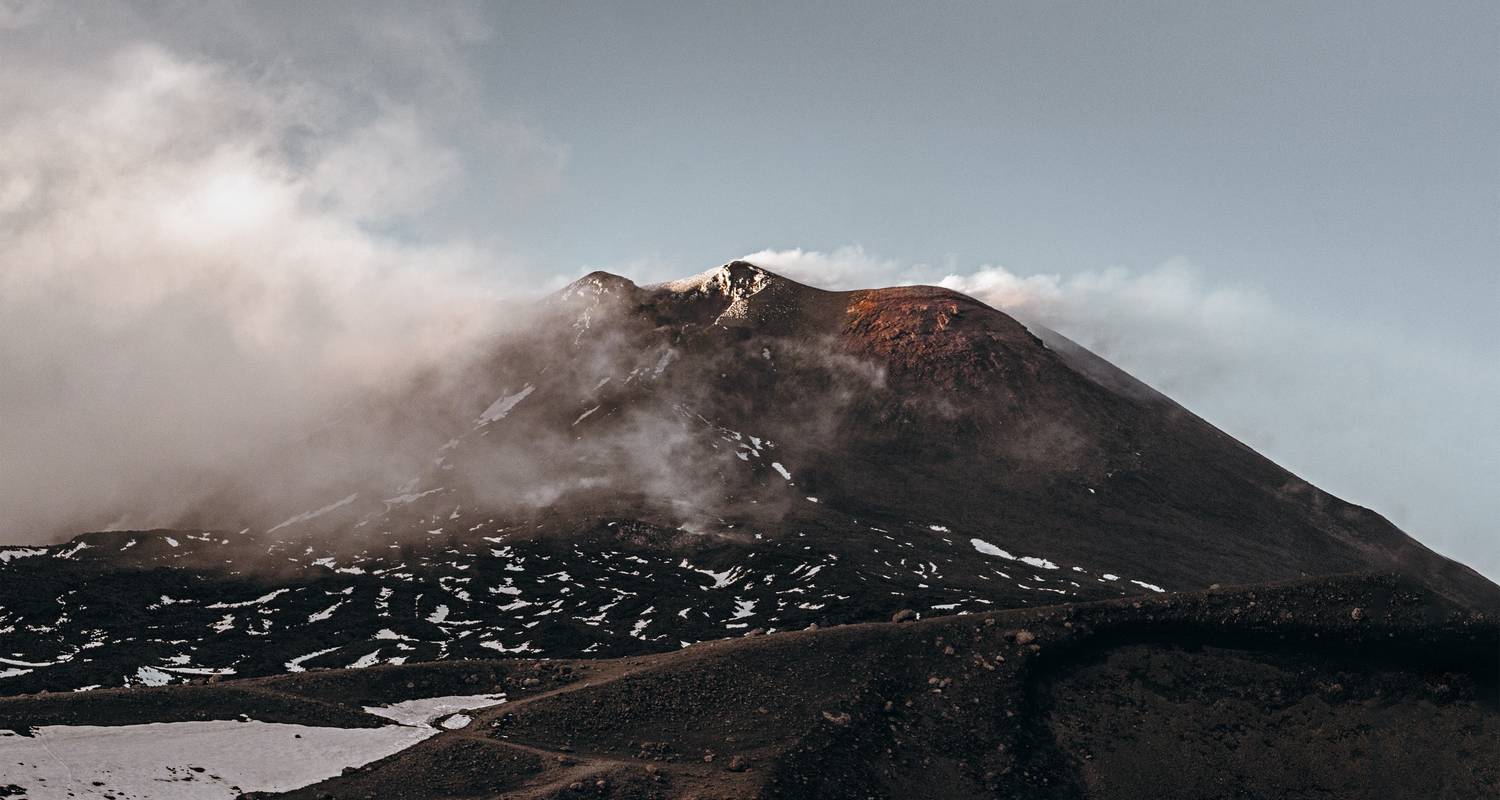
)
(501, 408)
(307, 515)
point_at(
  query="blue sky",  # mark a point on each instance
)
(1283, 214)
(1321, 151)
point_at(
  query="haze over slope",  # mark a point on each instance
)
(640, 467)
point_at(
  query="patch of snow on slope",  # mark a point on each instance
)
(160, 760)
(523, 647)
(266, 598)
(295, 665)
(23, 552)
(991, 550)
(502, 407)
(201, 670)
(721, 579)
(366, 660)
(16, 662)
(151, 676)
(743, 608)
(776, 465)
(408, 497)
(425, 710)
(307, 515)
(73, 552)
(661, 363)
(325, 613)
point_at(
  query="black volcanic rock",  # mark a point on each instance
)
(1270, 692)
(642, 467)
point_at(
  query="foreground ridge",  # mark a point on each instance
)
(1254, 690)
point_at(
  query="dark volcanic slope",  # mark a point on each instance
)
(1342, 688)
(646, 467)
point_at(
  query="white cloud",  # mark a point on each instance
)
(1371, 412)
(19, 14)
(190, 274)
(847, 267)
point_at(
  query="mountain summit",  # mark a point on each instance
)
(643, 467)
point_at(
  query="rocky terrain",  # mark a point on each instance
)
(1342, 688)
(657, 491)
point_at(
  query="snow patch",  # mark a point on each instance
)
(426, 710)
(266, 598)
(990, 550)
(23, 552)
(325, 613)
(295, 665)
(307, 515)
(161, 760)
(151, 676)
(404, 499)
(73, 552)
(502, 407)
(366, 660)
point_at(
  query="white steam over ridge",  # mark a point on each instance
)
(191, 271)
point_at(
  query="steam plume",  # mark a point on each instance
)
(191, 275)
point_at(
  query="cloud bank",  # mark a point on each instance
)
(1403, 426)
(203, 261)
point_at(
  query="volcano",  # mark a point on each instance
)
(643, 468)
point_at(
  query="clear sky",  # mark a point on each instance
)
(1286, 215)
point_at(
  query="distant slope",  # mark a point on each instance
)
(644, 467)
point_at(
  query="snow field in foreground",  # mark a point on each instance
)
(214, 760)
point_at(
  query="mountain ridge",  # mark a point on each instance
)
(643, 467)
